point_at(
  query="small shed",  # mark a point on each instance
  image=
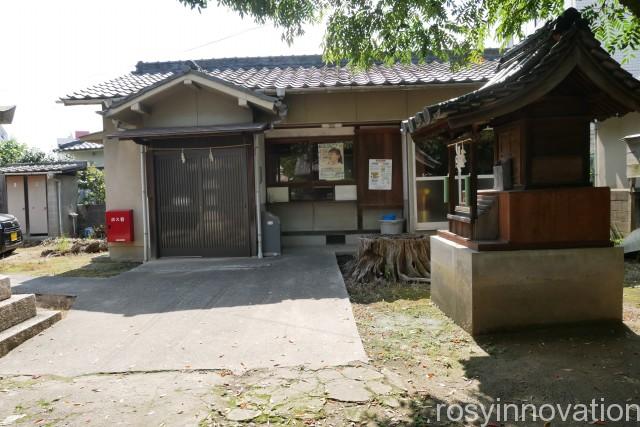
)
(43, 196)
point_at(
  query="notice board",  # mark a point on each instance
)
(383, 145)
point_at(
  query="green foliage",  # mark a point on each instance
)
(34, 155)
(12, 151)
(615, 26)
(91, 181)
(366, 31)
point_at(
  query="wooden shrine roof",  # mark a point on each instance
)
(532, 69)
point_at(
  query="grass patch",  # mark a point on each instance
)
(28, 261)
(632, 296)
(367, 293)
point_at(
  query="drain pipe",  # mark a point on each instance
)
(257, 182)
(59, 194)
(145, 202)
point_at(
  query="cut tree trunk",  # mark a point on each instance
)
(394, 258)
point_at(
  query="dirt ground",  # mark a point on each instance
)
(418, 360)
(27, 261)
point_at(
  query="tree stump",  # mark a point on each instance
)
(403, 258)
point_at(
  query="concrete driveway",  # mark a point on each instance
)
(178, 314)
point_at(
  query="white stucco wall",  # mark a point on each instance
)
(124, 190)
(611, 150)
(92, 157)
(184, 106)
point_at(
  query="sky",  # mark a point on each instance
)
(53, 48)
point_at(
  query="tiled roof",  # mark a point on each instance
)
(79, 145)
(545, 54)
(37, 168)
(291, 72)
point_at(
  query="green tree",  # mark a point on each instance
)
(91, 181)
(364, 31)
(34, 155)
(12, 151)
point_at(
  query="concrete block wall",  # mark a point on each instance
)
(69, 202)
(621, 210)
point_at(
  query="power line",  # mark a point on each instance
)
(224, 38)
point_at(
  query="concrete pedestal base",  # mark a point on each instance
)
(495, 291)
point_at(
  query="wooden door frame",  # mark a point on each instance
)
(244, 140)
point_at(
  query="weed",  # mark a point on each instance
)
(62, 244)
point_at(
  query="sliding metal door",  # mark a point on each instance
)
(202, 202)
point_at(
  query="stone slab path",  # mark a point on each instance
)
(277, 396)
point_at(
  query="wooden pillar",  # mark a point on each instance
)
(452, 179)
(473, 173)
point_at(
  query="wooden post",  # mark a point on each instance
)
(452, 179)
(473, 173)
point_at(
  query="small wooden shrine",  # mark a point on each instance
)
(538, 107)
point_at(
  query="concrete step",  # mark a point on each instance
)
(5, 288)
(16, 335)
(16, 309)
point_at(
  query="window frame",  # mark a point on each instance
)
(310, 140)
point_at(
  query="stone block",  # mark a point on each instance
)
(5, 288)
(620, 194)
(13, 337)
(496, 291)
(16, 310)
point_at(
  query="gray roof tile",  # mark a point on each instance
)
(79, 145)
(290, 72)
(35, 168)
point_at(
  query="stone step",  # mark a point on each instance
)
(16, 335)
(5, 288)
(16, 309)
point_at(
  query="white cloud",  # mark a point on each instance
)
(52, 48)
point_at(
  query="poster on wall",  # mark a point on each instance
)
(380, 174)
(331, 161)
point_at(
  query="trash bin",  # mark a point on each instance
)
(390, 225)
(271, 243)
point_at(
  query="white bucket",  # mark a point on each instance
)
(391, 226)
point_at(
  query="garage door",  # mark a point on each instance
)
(202, 203)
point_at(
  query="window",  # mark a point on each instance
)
(431, 170)
(310, 168)
(298, 162)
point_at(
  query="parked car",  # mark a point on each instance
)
(10, 234)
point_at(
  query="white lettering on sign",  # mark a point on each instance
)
(117, 219)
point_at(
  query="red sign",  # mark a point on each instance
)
(119, 226)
